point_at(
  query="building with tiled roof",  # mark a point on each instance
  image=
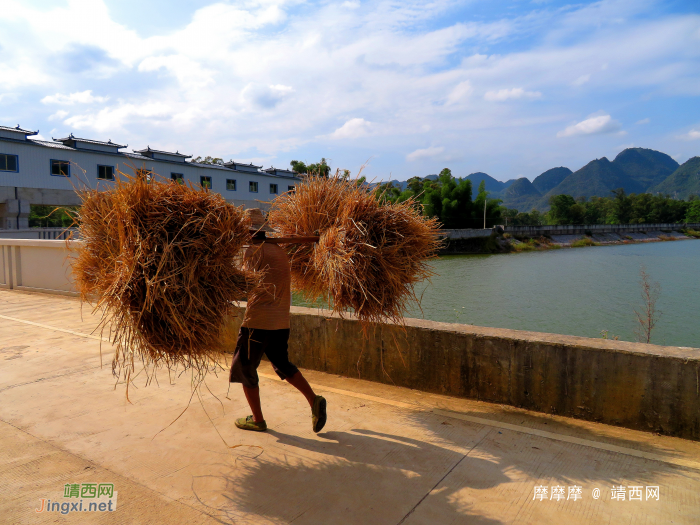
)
(45, 172)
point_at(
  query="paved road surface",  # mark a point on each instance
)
(387, 455)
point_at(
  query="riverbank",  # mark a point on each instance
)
(579, 241)
(506, 242)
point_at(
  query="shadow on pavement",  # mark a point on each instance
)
(366, 477)
(556, 461)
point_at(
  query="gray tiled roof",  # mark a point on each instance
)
(271, 169)
(50, 144)
(233, 166)
(148, 149)
(90, 141)
(215, 166)
(138, 156)
(18, 129)
(234, 163)
(282, 173)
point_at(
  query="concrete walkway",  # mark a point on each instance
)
(387, 455)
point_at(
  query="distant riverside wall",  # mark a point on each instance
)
(491, 240)
(569, 229)
(587, 229)
(633, 385)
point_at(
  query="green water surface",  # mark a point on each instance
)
(574, 291)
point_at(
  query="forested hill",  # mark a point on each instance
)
(636, 170)
(645, 166)
(597, 178)
(683, 182)
(492, 185)
(550, 179)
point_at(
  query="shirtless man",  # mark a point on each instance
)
(265, 330)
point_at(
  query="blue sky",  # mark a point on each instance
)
(510, 88)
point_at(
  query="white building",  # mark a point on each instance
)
(48, 172)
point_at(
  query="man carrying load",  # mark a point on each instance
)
(265, 329)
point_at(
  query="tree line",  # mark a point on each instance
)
(619, 208)
(451, 200)
(448, 199)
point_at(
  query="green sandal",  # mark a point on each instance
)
(247, 423)
(318, 413)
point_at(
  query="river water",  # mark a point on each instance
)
(575, 291)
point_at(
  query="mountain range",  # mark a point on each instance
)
(636, 170)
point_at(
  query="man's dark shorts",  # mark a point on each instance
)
(251, 345)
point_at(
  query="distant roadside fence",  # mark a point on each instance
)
(40, 233)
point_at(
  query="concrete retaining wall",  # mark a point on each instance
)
(637, 386)
(36, 266)
(467, 233)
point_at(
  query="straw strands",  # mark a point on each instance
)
(370, 255)
(159, 259)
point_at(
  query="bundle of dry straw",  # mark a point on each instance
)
(370, 254)
(159, 259)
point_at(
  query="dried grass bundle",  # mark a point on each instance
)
(310, 210)
(370, 255)
(159, 258)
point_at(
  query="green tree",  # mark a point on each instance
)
(415, 184)
(559, 209)
(42, 216)
(535, 218)
(622, 207)
(693, 213)
(493, 209)
(208, 160)
(387, 192)
(595, 210)
(513, 217)
(319, 169)
(299, 167)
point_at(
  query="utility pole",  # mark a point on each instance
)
(484, 212)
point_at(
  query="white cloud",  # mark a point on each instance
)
(83, 97)
(693, 134)
(220, 82)
(425, 153)
(514, 93)
(591, 126)
(581, 80)
(120, 116)
(643, 121)
(189, 72)
(352, 129)
(460, 92)
(59, 115)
